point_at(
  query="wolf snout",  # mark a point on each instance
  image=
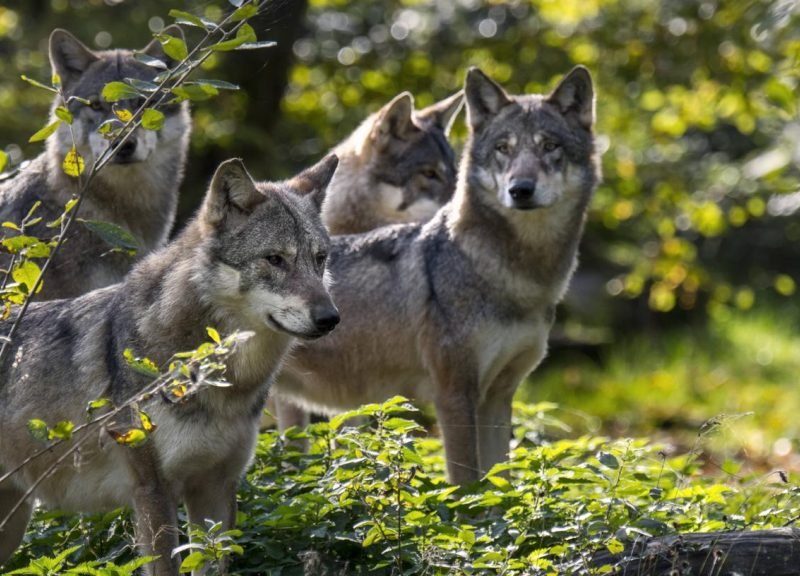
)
(325, 317)
(522, 190)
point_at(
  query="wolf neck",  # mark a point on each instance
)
(176, 296)
(539, 244)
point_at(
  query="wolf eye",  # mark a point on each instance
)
(430, 173)
(275, 260)
(549, 146)
(321, 258)
(502, 147)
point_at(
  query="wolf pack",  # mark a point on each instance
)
(388, 268)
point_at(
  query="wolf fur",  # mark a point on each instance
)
(397, 166)
(138, 190)
(457, 310)
(253, 259)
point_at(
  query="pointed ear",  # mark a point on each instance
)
(69, 57)
(443, 113)
(484, 97)
(232, 193)
(313, 182)
(574, 96)
(394, 119)
(156, 50)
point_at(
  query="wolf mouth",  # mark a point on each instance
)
(273, 323)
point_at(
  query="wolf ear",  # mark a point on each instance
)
(443, 113)
(313, 182)
(394, 119)
(156, 50)
(232, 193)
(484, 96)
(574, 96)
(69, 57)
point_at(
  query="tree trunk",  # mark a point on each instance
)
(753, 553)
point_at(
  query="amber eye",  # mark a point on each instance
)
(549, 146)
(275, 260)
(502, 147)
(95, 105)
(430, 173)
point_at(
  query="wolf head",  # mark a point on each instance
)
(531, 152)
(402, 163)
(268, 248)
(83, 74)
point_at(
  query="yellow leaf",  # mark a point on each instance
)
(123, 114)
(73, 164)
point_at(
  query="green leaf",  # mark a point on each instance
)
(95, 405)
(244, 35)
(73, 164)
(214, 335)
(173, 47)
(112, 234)
(45, 132)
(143, 366)
(62, 430)
(182, 17)
(38, 429)
(64, 114)
(195, 92)
(33, 247)
(220, 84)
(244, 12)
(192, 561)
(26, 273)
(142, 85)
(38, 84)
(152, 119)
(3, 160)
(609, 460)
(133, 437)
(116, 91)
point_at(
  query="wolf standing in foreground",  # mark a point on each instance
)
(253, 259)
(396, 167)
(457, 311)
(138, 190)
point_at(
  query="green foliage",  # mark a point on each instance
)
(371, 499)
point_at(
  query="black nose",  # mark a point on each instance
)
(325, 318)
(522, 190)
(127, 150)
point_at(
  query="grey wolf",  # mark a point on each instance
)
(397, 166)
(252, 259)
(457, 310)
(137, 191)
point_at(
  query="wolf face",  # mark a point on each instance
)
(531, 151)
(83, 74)
(269, 248)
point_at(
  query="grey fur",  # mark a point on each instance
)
(396, 167)
(140, 195)
(457, 310)
(221, 272)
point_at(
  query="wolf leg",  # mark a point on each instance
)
(212, 498)
(12, 533)
(494, 428)
(456, 390)
(156, 512)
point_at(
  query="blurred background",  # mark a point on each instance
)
(685, 307)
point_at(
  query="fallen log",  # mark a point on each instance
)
(774, 552)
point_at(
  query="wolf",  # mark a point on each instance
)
(457, 310)
(253, 259)
(138, 190)
(396, 167)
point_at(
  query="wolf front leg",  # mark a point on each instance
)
(11, 534)
(456, 385)
(213, 497)
(156, 512)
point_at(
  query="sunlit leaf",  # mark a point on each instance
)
(173, 47)
(46, 131)
(73, 164)
(214, 335)
(123, 114)
(182, 17)
(38, 84)
(152, 119)
(132, 438)
(3, 160)
(143, 366)
(64, 114)
(38, 429)
(244, 35)
(26, 273)
(116, 91)
(244, 12)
